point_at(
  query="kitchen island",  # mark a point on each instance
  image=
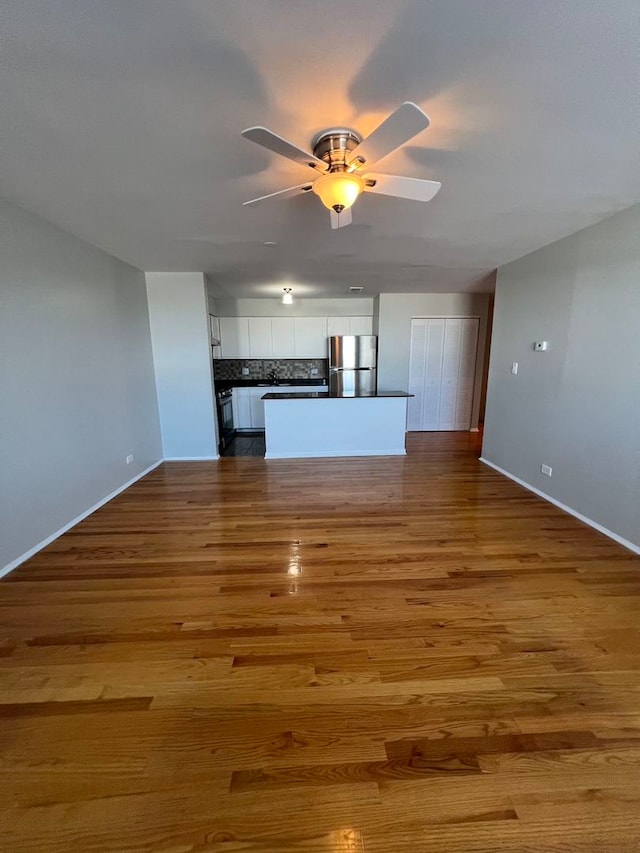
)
(322, 423)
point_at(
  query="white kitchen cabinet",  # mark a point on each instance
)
(257, 407)
(234, 337)
(361, 325)
(214, 330)
(338, 326)
(214, 336)
(248, 405)
(310, 337)
(283, 337)
(349, 326)
(260, 344)
(242, 408)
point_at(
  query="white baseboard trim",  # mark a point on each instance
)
(616, 538)
(325, 454)
(474, 429)
(190, 458)
(30, 553)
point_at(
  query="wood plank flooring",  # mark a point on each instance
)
(391, 655)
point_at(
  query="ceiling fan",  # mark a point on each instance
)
(343, 158)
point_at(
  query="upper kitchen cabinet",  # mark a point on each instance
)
(234, 336)
(361, 325)
(214, 335)
(283, 337)
(310, 337)
(349, 326)
(260, 343)
(338, 326)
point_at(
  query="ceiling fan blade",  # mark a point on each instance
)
(413, 188)
(398, 128)
(288, 193)
(268, 139)
(339, 220)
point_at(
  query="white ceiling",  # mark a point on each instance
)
(120, 121)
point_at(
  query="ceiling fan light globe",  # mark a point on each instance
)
(338, 190)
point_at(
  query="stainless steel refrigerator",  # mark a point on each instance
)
(353, 365)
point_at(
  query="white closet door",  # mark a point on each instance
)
(432, 407)
(450, 364)
(416, 373)
(442, 373)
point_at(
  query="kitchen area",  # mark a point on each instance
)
(345, 376)
(262, 401)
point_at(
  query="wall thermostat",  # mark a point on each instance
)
(541, 346)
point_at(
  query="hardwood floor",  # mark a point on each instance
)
(391, 655)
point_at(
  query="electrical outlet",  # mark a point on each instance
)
(129, 459)
(314, 371)
(245, 371)
(514, 368)
(546, 469)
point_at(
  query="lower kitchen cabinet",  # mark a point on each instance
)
(248, 405)
(257, 407)
(241, 408)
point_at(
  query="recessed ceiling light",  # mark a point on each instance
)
(269, 243)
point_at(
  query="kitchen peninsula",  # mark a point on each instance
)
(325, 423)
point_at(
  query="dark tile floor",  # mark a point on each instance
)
(246, 444)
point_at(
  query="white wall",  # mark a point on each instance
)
(178, 315)
(351, 307)
(77, 389)
(395, 311)
(577, 406)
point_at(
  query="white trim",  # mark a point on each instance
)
(474, 429)
(28, 554)
(619, 539)
(190, 458)
(318, 454)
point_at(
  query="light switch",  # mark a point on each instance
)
(514, 368)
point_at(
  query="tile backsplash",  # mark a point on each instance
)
(259, 368)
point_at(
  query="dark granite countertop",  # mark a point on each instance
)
(333, 395)
(223, 384)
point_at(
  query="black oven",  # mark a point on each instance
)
(226, 429)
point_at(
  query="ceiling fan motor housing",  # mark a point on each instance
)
(334, 145)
